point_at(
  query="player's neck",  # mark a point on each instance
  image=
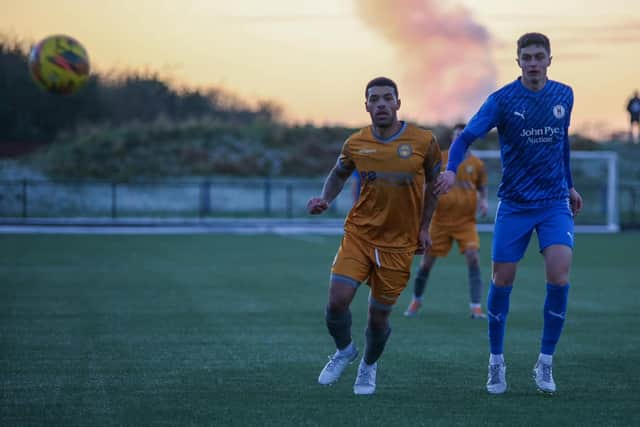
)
(386, 132)
(534, 85)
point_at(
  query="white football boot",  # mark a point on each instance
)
(366, 379)
(543, 376)
(497, 378)
(335, 366)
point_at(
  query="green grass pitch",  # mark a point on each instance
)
(229, 330)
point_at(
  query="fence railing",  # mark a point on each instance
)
(227, 197)
(189, 198)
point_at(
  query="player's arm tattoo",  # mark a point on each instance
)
(430, 199)
(334, 183)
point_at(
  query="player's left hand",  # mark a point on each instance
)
(575, 199)
(444, 182)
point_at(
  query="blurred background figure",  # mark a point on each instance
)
(455, 221)
(633, 107)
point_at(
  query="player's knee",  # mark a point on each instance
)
(558, 277)
(337, 316)
(504, 274)
(558, 270)
(473, 258)
(340, 296)
(503, 278)
(337, 304)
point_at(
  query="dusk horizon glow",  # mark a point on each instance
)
(314, 58)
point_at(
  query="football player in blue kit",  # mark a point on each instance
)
(532, 115)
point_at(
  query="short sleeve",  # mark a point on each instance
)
(345, 159)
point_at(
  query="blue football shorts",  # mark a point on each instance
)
(514, 223)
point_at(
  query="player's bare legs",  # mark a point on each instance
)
(557, 262)
(475, 283)
(420, 284)
(504, 273)
(340, 296)
(338, 318)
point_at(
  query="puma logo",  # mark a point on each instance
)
(495, 316)
(518, 113)
(558, 315)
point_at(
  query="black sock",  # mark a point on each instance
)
(339, 326)
(420, 283)
(376, 340)
(475, 284)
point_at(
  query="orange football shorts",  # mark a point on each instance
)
(385, 272)
(443, 236)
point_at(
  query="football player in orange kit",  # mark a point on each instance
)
(455, 220)
(398, 164)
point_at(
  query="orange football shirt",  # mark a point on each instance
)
(459, 205)
(388, 213)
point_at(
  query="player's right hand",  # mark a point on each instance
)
(444, 182)
(317, 205)
(575, 200)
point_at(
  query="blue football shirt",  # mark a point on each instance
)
(533, 130)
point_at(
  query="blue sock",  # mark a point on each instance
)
(555, 309)
(497, 310)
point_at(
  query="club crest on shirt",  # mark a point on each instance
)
(558, 111)
(404, 151)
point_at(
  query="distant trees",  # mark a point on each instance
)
(29, 114)
(127, 125)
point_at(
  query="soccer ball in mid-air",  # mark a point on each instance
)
(59, 64)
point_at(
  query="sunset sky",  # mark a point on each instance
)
(313, 57)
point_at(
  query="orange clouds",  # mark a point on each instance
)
(444, 54)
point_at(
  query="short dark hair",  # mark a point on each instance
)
(447, 134)
(381, 81)
(529, 39)
(457, 126)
